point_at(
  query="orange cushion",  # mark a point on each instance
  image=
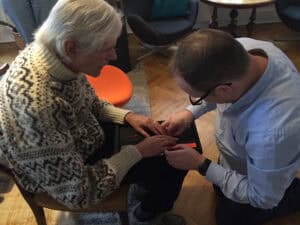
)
(112, 85)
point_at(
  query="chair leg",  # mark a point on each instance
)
(38, 211)
(124, 218)
(3, 69)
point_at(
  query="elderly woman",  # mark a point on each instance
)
(51, 119)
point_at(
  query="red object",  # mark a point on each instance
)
(191, 145)
(112, 85)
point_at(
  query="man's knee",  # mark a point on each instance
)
(224, 217)
(229, 212)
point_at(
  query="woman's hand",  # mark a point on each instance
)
(155, 145)
(144, 124)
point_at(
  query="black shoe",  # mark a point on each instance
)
(135, 195)
(161, 219)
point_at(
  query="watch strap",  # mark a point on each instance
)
(204, 166)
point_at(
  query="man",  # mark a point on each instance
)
(51, 121)
(255, 89)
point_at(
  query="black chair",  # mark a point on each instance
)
(289, 12)
(158, 34)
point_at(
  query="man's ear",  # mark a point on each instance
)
(223, 91)
(71, 48)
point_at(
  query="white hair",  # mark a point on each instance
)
(89, 22)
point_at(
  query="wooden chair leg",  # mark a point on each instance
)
(3, 69)
(124, 218)
(38, 211)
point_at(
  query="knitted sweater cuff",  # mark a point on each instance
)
(116, 114)
(123, 161)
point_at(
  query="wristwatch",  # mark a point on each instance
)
(204, 166)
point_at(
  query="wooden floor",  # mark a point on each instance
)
(197, 200)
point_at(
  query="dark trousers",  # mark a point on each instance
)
(162, 182)
(229, 212)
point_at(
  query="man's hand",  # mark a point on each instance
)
(183, 157)
(144, 124)
(155, 145)
(178, 122)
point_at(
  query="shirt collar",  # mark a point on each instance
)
(255, 91)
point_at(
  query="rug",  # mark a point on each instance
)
(68, 218)
(139, 103)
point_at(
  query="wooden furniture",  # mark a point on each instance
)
(112, 85)
(3, 68)
(235, 5)
(18, 39)
(116, 202)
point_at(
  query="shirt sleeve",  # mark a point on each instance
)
(198, 110)
(272, 163)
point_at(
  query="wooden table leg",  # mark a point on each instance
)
(214, 18)
(251, 23)
(233, 22)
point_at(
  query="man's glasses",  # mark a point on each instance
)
(198, 101)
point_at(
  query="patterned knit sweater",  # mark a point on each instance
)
(50, 123)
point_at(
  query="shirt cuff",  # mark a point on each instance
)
(198, 110)
(215, 174)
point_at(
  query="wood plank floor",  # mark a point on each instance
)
(197, 200)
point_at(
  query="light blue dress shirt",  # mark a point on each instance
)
(259, 135)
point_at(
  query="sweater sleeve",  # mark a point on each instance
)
(47, 159)
(105, 111)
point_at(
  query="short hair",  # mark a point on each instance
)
(89, 22)
(209, 57)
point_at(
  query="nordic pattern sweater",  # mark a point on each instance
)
(50, 123)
